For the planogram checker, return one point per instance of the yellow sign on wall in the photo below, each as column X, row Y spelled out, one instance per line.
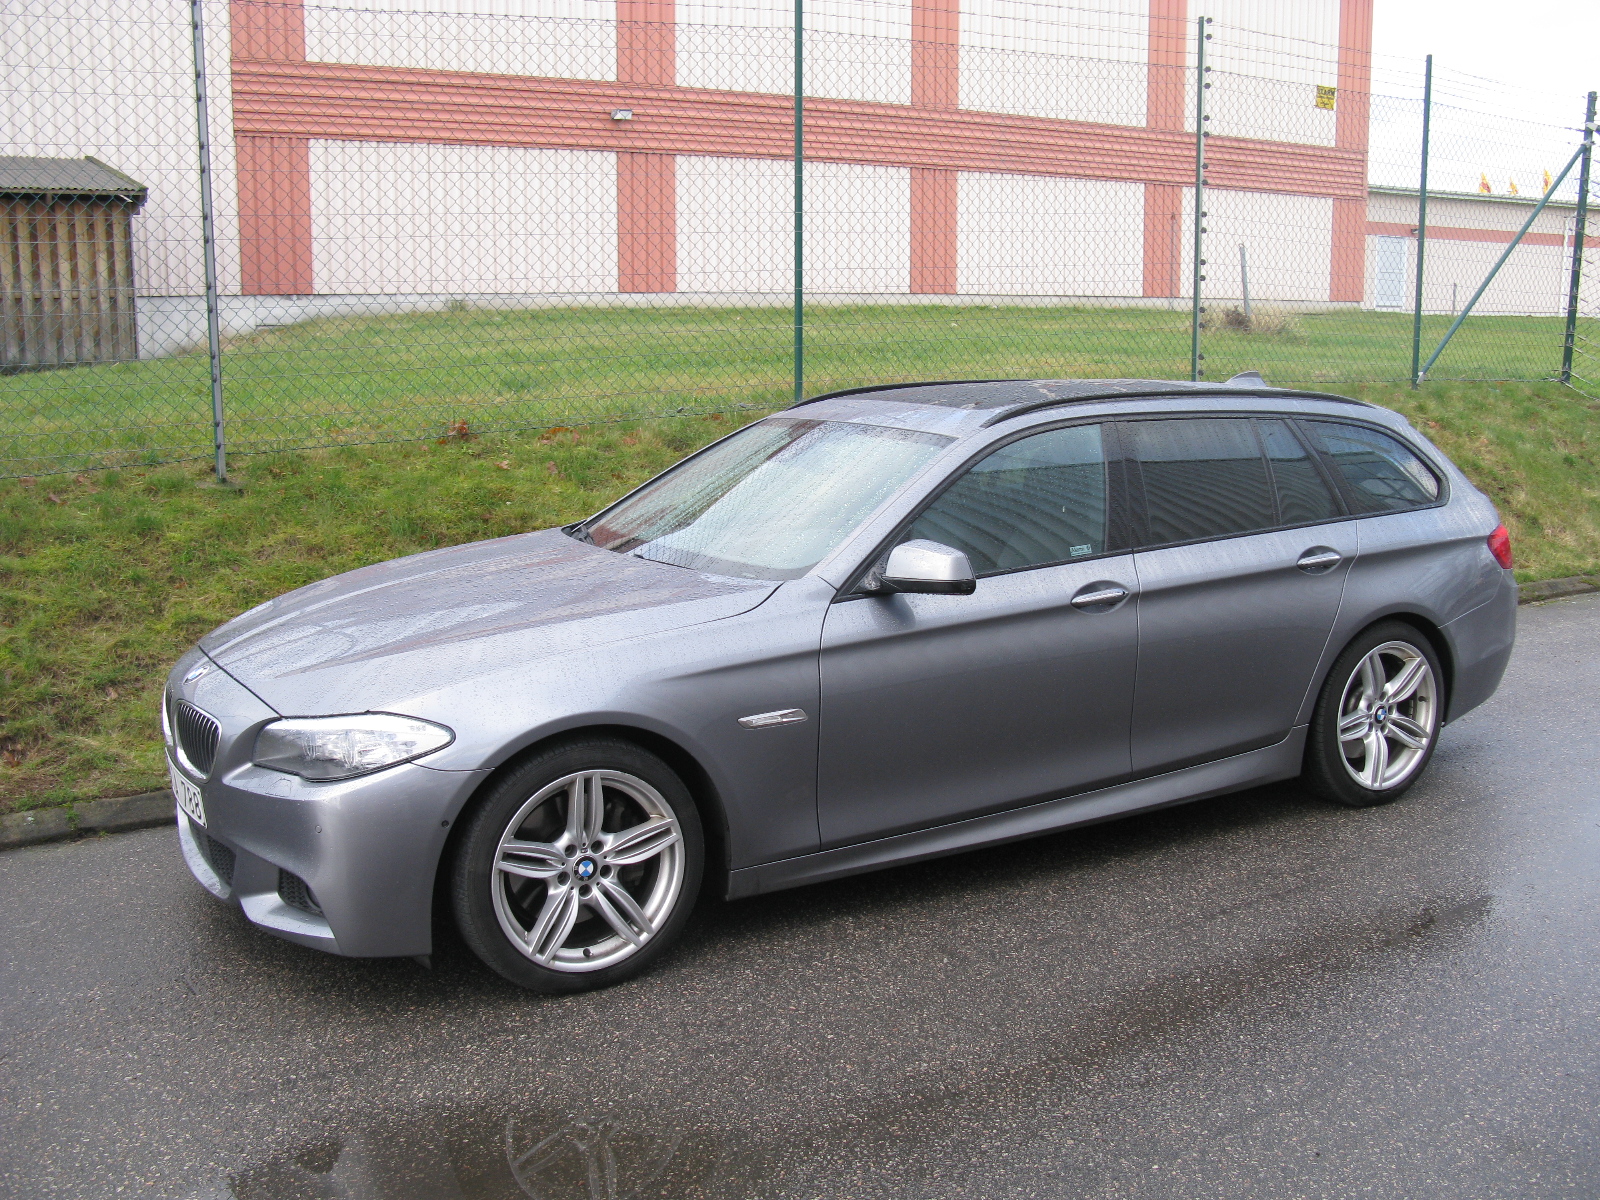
column 1325, row 96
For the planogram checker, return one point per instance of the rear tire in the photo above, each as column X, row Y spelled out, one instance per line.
column 578, row 868
column 1377, row 720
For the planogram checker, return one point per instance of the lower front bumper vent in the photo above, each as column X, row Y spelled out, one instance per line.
column 221, row 859
column 296, row 893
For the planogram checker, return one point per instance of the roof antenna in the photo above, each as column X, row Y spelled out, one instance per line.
column 1249, row 379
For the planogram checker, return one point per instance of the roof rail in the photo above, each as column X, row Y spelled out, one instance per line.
column 897, row 387
column 1171, row 393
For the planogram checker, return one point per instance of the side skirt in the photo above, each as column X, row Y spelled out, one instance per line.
column 1251, row 769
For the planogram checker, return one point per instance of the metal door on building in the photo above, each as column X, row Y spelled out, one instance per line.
column 1390, row 271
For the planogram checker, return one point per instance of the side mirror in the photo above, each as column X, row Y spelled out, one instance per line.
column 930, row 568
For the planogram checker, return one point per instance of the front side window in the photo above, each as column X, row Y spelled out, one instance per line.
column 1202, row 478
column 770, row 502
column 1034, row 502
column 1383, row 476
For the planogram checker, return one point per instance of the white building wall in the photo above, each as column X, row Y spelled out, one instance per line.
column 1288, row 244
column 117, row 84
column 398, row 218
column 1267, row 59
column 1534, row 280
column 736, row 227
column 569, row 39
column 1056, row 60
column 1031, row 236
column 1532, row 283
column 855, row 49
column 735, row 230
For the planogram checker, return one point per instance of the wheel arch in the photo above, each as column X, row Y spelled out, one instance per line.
column 1429, row 629
column 1441, row 647
column 702, row 789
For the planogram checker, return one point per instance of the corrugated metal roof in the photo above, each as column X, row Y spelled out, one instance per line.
column 21, row 176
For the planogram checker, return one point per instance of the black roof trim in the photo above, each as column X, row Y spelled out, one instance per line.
column 1005, row 406
column 1170, row 393
column 898, row 387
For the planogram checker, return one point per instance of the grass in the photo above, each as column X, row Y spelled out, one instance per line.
column 409, row 375
column 105, row 578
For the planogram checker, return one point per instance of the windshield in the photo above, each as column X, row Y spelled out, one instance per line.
column 770, row 502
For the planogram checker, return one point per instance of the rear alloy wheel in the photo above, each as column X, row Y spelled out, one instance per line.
column 579, row 868
column 1377, row 720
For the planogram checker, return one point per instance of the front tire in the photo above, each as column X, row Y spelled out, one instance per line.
column 1377, row 720
column 579, row 868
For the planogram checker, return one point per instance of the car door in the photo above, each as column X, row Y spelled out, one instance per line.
column 1244, row 552
column 937, row 707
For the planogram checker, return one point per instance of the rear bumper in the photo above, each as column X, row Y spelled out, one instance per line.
column 1481, row 641
column 367, row 850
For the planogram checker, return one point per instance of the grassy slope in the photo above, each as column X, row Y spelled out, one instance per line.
column 106, row 579
column 408, row 375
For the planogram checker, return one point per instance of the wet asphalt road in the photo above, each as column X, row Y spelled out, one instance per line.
column 1255, row 996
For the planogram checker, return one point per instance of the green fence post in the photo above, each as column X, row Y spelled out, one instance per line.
column 1580, row 220
column 1200, row 119
column 208, row 234
column 1422, row 228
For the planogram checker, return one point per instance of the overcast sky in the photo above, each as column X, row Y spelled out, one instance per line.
column 1509, row 82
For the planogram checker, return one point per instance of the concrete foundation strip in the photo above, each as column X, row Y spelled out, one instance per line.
column 127, row 813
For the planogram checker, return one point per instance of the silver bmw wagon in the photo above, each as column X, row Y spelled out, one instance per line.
column 881, row 626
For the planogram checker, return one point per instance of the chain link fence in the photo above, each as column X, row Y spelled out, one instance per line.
column 437, row 216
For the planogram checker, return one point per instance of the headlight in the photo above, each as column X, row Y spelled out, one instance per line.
column 343, row 747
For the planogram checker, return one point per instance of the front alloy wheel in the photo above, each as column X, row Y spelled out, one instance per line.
column 1378, row 717
column 587, row 870
column 579, row 867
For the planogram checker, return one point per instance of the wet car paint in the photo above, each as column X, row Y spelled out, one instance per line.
column 518, row 640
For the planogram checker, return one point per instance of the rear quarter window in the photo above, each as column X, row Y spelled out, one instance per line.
column 1379, row 472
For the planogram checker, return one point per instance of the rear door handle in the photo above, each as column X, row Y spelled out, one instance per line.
column 1319, row 559
column 1103, row 596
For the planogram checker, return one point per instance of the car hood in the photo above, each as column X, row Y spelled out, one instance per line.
column 370, row 638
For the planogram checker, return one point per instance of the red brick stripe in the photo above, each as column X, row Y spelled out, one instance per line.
column 647, row 184
column 1169, row 33
column 936, row 86
column 1348, row 265
column 362, row 103
column 647, row 222
column 275, row 216
column 1458, row 233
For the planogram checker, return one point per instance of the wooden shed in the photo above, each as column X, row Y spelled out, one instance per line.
column 66, row 262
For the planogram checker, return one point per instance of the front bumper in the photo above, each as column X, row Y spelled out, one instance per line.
column 364, row 851
column 367, row 850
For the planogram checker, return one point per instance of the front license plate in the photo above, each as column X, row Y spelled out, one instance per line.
column 188, row 796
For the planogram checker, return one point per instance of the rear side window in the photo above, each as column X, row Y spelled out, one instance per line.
column 1303, row 494
column 1201, row 478
column 1037, row 501
column 1380, row 473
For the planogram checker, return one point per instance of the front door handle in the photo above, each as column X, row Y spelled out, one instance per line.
column 1318, row 560
column 1102, row 597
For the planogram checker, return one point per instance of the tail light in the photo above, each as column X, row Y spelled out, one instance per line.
column 1500, row 546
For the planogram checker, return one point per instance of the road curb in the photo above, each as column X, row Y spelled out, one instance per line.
column 118, row 815
column 41, row 825
column 1555, row 589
